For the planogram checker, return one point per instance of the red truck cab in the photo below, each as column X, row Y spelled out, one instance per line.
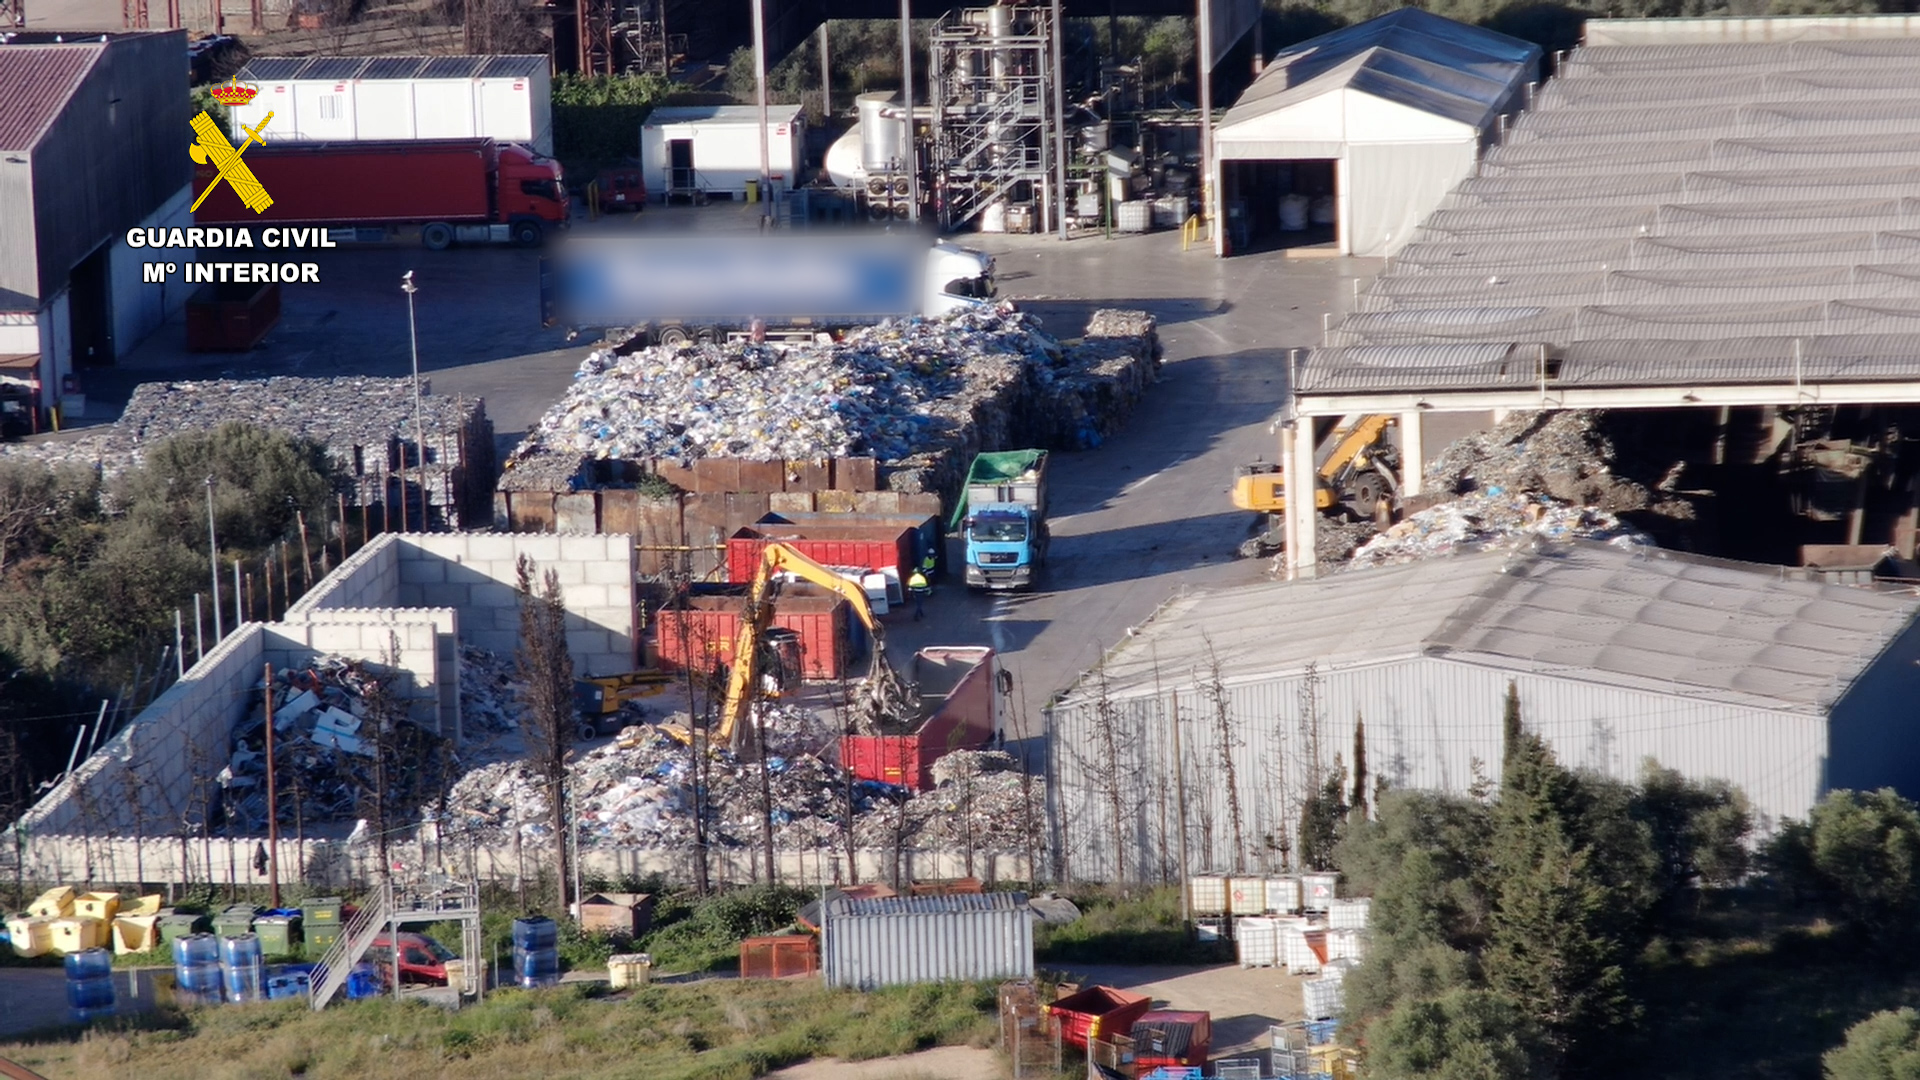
column 530, row 186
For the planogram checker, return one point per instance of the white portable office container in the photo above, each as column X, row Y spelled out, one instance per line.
column 359, row 98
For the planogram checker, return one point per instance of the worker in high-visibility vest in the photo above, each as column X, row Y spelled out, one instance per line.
column 919, row 588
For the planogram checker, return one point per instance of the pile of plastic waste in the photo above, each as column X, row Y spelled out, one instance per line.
column 1492, row 518
column 1087, row 393
column 884, row 391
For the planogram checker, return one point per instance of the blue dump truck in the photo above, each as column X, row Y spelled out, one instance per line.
column 1003, row 517
column 693, row 287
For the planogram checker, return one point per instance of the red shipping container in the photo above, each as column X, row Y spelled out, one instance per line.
column 884, row 549
column 958, row 699
column 701, row 634
column 1169, row 1037
column 1098, row 1012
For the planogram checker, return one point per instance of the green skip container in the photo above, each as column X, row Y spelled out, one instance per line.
column 179, row 926
column 235, row 921
column 279, row 934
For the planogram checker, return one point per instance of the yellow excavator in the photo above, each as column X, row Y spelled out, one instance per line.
column 1358, row 473
column 881, row 693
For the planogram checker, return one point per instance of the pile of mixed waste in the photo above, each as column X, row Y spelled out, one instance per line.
column 639, row 791
column 490, row 692
column 1563, row 455
column 980, row 802
column 330, row 721
column 883, row 391
column 1533, row 475
column 1494, row 517
column 921, row 396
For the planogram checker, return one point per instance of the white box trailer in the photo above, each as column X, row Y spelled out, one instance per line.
column 711, row 148
column 352, row 98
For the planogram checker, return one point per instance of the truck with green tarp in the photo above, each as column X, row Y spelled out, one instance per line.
column 1002, row 514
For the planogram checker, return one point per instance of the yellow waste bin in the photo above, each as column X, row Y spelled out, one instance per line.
column 753, row 191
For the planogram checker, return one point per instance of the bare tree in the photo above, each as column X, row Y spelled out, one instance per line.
column 546, row 675
column 1106, row 778
column 694, row 649
column 381, row 801
column 1227, row 740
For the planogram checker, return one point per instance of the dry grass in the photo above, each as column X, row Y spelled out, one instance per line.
column 715, row 1030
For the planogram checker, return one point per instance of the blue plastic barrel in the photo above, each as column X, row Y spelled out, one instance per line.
column 535, row 933
column 241, row 951
column 196, row 949
column 245, row 984
column 536, row 963
column 93, row 994
column 199, row 979
column 89, row 964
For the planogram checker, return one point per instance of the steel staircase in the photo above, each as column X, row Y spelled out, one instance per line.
column 330, row 974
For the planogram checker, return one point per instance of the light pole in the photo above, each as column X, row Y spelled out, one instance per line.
column 906, row 96
column 419, row 425
column 760, row 102
column 213, row 564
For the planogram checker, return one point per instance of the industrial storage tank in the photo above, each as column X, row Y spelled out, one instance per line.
column 883, row 132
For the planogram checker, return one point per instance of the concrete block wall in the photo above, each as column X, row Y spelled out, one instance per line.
column 154, row 773
column 476, row 573
column 159, row 770
column 423, row 643
column 332, row 865
column 370, row 578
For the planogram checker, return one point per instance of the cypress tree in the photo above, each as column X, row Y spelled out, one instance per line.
column 1552, row 945
column 1510, row 729
column 1357, row 802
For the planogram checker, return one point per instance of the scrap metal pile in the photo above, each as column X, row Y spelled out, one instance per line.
column 640, row 790
column 366, row 425
column 329, row 721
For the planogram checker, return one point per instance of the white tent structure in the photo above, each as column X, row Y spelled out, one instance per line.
column 1383, row 118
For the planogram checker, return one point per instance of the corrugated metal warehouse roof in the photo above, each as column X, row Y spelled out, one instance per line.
column 1639, row 617
column 1785, row 688
column 1781, row 204
column 39, row 79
